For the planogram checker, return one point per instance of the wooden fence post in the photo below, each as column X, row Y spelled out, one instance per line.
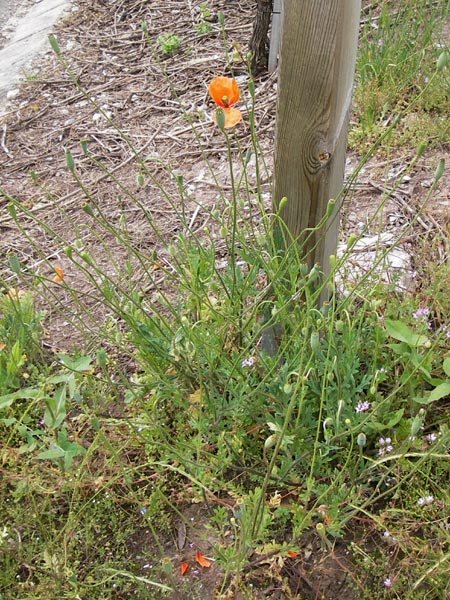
column 315, row 81
column 275, row 34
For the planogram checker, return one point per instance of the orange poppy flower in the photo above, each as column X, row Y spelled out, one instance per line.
column 224, row 91
column 2, row 346
column 59, row 275
column 202, row 561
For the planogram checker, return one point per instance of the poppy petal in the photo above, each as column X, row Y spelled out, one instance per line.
column 232, row 117
column 224, row 91
column 59, row 275
column 202, row 561
column 183, row 568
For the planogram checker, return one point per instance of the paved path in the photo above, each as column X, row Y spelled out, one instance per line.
column 33, row 23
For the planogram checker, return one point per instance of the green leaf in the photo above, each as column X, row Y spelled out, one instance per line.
column 441, row 391
column 401, row 332
column 446, row 366
column 55, row 412
column 80, row 365
column 395, row 418
column 23, row 394
column 14, row 263
column 51, row 454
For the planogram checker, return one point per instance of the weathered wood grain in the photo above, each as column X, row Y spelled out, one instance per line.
column 317, row 61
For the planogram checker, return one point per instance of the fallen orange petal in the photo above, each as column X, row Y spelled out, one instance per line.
column 224, row 91
column 183, row 568
column 232, row 117
column 292, row 554
column 202, row 561
column 59, row 275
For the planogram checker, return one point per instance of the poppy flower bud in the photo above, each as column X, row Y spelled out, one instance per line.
column 439, row 170
column 442, row 60
column 54, row 44
column 69, row 161
column 220, row 118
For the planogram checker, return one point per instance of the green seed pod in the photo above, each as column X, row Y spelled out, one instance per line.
column 361, row 440
column 69, row 161
column 68, row 251
column 140, row 179
column 54, row 44
column 439, row 170
column 330, row 207
column 442, row 60
column 238, row 509
column 282, row 203
column 144, row 27
column 351, row 241
column 332, row 260
column 83, row 144
column 87, row 208
column 270, row 441
column 421, row 149
column 287, row 388
column 12, row 210
column 418, row 421
column 314, row 341
column 220, row 18
column 85, row 256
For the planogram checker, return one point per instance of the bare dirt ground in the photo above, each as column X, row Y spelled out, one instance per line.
column 163, row 110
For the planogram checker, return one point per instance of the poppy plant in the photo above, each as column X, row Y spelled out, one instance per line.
column 225, row 92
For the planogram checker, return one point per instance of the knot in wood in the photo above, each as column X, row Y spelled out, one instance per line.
column 323, row 158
